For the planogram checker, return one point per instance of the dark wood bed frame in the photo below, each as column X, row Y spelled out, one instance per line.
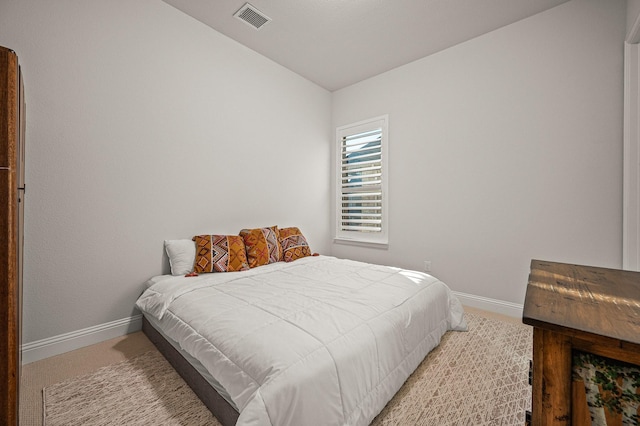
column 221, row 409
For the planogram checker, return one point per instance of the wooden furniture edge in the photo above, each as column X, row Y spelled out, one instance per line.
column 9, row 286
column 553, row 309
column 608, row 347
column 584, row 287
column 219, row 407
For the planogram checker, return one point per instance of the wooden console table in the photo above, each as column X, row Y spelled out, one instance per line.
column 571, row 307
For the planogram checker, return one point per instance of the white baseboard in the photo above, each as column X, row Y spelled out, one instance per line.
column 56, row 345
column 491, row 305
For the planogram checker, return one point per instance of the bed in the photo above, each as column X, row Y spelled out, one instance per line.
column 319, row 340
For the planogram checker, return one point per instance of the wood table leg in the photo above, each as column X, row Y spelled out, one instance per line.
column 551, row 404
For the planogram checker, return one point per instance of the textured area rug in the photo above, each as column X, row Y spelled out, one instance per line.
column 479, row 377
column 144, row 390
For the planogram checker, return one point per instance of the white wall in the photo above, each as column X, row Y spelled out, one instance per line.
column 143, row 125
column 504, row 148
column 633, row 10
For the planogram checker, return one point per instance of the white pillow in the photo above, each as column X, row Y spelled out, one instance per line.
column 182, row 255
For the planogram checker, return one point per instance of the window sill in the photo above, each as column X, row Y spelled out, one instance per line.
column 359, row 243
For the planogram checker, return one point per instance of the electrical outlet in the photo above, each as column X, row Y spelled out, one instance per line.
column 427, row 266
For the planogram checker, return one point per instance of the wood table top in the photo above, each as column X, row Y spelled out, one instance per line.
column 600, row 301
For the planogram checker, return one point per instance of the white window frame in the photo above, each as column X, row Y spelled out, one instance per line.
column 378, row 238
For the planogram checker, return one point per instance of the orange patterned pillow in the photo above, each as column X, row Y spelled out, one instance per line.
column 294, row 244
column 263, row 245
column 220, row 253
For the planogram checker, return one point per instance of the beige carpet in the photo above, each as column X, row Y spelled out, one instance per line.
column 473, row 378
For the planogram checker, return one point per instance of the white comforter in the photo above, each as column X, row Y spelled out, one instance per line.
column 319, row 341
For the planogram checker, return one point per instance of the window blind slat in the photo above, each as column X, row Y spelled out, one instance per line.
column 369, row 209
column 346, row 202
column 351, row 167
column 360, row 176
column 355, row 159
column 362, row 183
column 362, row 228
column 362, row 165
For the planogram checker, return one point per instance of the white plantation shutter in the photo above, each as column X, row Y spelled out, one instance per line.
column 361, row 183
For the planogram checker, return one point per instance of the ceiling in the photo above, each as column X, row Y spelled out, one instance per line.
column 335, row 43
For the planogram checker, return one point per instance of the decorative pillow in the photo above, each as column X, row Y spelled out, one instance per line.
column 220, row 253
column 294, row 244
column 182, row 255
column 263, row 245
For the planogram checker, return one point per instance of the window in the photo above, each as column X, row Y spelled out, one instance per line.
column 361, row 184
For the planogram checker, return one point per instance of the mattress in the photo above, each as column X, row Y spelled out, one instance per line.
column 194, row 363
column 320, row 340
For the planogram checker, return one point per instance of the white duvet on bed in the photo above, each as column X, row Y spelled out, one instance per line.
column 319, row 341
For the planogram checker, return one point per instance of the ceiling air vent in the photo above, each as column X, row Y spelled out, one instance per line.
column 252, row 16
